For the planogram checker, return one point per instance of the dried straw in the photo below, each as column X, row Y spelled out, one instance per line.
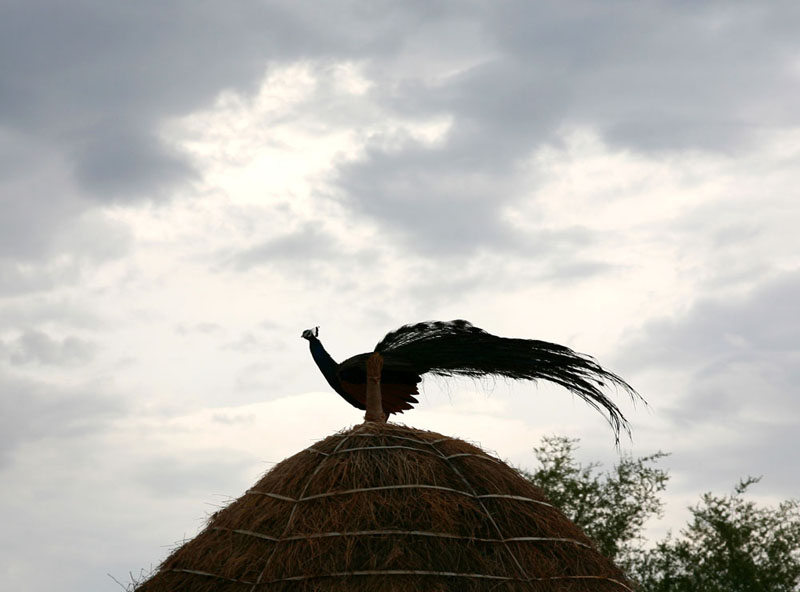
column 383, row 507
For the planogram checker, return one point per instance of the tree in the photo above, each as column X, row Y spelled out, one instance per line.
column 611, row 508
column 730, row 545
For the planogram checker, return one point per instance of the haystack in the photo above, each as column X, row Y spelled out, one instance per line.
column 383, row 507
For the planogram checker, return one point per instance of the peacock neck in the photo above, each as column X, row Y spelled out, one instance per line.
column 325, row 362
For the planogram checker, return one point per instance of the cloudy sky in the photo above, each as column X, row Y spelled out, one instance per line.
column 185, row 187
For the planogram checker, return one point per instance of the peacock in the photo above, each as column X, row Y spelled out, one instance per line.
column 458, row 348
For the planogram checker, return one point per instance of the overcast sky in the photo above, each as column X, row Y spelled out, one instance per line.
column 185, row 187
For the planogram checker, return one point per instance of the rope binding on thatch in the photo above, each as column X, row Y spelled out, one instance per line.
column 406, row 572
column 390, row 487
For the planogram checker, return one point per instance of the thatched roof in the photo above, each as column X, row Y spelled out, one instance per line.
column 383, row 507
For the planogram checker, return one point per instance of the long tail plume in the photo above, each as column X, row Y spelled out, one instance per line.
column 459, row 348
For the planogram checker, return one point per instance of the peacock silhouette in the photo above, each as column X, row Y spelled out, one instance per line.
column 458, row 348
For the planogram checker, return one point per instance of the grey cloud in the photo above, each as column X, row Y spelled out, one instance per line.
column 124, row 164
column 16, row 279
column 763, row 322
column 86, row 88
column 269, row 325
column 90, row 84
column 34, row 196
column 664, row 78
column 166, row 476
column 204, row 328
column 737, row 358
column 307, row 244
column 740, row 356
column 433, row 201
column 437, row 204
column 767, row 452
column 62, row 313
column 98, row 79
column 758, row 450
column 577, row 269
column 667, row 76
column 434, row 286
column 34, row 346
column 48, row 234
column 240, row 419
column 33, row 410
column 58, row 252
column 247, row 342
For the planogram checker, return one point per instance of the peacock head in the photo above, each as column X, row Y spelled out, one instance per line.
column 310, row 333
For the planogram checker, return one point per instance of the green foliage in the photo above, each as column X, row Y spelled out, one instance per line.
column 611, row 508
column 730, row 545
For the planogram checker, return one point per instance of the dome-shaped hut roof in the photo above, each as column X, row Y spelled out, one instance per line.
column 385, row 507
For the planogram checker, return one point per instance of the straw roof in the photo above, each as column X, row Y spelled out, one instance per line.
column 383, row 507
